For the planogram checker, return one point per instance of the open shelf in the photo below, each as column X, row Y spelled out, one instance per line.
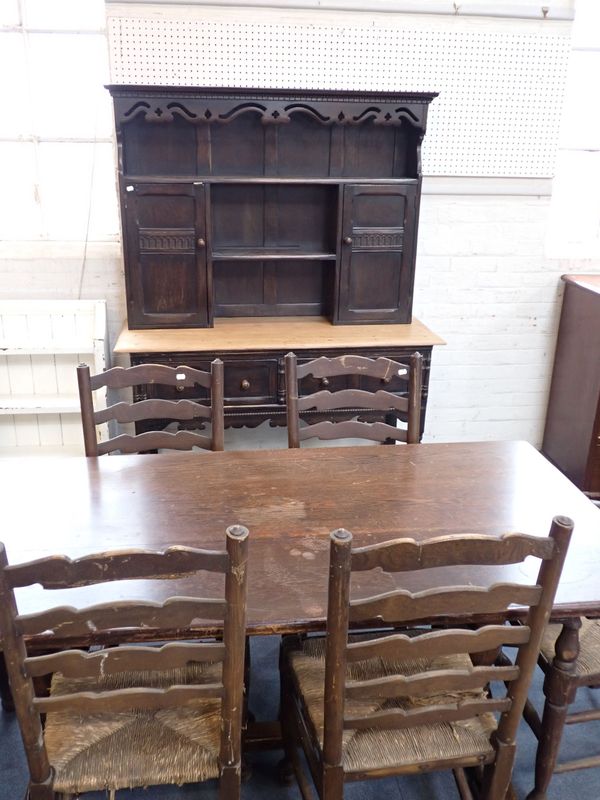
column 269, row 254
column 39, row 404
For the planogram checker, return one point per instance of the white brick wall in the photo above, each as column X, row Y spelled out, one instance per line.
column 484, row 284
column 484, row 281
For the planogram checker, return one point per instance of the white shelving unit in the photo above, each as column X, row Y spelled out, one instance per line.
column 41, row 344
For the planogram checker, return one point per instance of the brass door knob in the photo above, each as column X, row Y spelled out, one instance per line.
column 201, row 242
column 324, row 381
column 245, row 385
column 348, row 239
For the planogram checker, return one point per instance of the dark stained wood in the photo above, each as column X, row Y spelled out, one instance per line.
column 60, row 572
column 441, row 685
column 572, row 432
column 293, row 499
column 221, row 180
column 408, row 554
column 400, row 605
column 79, row 664
column 428, row 684
column 428, row 645
column 253, row 350
column 131, row 615
column 160, row 411
column 125, row 699
column 352, row 401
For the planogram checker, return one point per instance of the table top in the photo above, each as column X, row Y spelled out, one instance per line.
column 273, row 333
column 290, row 500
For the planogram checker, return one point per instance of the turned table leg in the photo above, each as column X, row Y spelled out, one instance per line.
column 559, row 690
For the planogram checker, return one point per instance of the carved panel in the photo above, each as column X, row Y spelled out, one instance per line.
column 377, row 239
column 167, row 239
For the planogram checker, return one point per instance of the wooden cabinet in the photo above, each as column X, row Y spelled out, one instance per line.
column 263, row 203
column 572, row 433
column 253, row 351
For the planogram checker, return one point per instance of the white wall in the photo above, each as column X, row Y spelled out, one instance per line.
column 487, row 272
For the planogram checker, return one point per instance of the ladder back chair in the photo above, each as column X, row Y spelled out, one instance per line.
column 128, row 716
column 570, row 659
column 390, row 703
column 354, row 400
column 181, row 377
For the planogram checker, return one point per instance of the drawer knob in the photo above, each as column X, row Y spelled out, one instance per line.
column 201, row 242
column 347, row 239
column 386, row 380
column 324, row 381
column 245, row 385
column 179, row 388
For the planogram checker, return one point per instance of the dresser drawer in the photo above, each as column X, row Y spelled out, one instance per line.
column 247, row 381
column 251, row 381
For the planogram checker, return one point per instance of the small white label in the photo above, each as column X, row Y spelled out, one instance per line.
column 180, row 376
column 402, row 372
column 129, row 188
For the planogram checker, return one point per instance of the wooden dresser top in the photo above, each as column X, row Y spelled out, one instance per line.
column 274, row 333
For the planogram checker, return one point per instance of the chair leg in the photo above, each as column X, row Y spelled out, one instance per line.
column 230, row 782
column 559, row 689
column 333, row 783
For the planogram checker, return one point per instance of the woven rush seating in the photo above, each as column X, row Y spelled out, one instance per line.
column 373, row 748
column 126, row 749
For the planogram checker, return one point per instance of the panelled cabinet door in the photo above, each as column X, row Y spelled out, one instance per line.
column 377, row 253
column 165, row 240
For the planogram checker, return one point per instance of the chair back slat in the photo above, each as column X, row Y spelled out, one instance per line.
column 128, row 699
column 123, row 377
column 351, row 429
column 79, row 664
column 407, row 554
column 352, row 398
column 401, row 606
column 437, row 643
column 61, row 572
column 152, row 409
column 383, row 368
column 154, row 440
column 434, row 682
column 398, row 718
column 158, row 411
column 352, row 401
column 173, row 613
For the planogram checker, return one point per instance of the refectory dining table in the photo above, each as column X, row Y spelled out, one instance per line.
column 290, row 500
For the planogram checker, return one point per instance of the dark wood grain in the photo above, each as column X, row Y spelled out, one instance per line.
column 293, row 499
column 79, row 664
column 221, row 180
column 429, row 645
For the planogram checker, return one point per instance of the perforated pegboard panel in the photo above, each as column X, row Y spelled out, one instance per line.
column 501, row 91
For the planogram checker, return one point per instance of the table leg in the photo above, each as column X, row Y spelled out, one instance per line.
column 5, row 693
column 559, row 690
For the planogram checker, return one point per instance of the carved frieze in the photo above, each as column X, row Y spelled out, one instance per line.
column 274, row 107
column 377, row 239
column 155, row 240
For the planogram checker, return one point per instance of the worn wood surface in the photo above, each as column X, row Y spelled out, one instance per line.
column 291, row 500
column 274, row 333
